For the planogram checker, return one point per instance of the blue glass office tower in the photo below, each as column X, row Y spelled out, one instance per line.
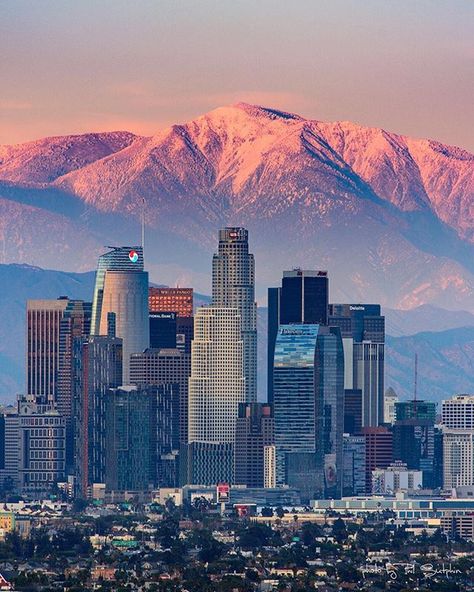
column 308, row 400
column 117, row 259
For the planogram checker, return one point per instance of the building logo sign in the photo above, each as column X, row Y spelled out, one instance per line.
column 133, row 256
column 351, row 307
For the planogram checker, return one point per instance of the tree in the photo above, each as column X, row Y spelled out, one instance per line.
column 339, row 531
column 280, row 512
column 267, row 512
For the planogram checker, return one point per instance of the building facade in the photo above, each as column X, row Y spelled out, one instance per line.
column 117, row 259
column 378, row 451
column 354, row 465
column 302, row 299
column 97, row 367
column 125, row 294
column 308, row 391
column 217, row 381
column 178, row 300
column 233, row 286
column 253, row 434
column 165, row 366
column 363, row 332
column 43, row 324
column 457, row 420
column 130, row 428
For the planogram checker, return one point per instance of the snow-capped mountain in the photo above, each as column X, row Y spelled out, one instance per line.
column 390, row 217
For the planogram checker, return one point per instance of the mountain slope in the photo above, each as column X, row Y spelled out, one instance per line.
column 445, row 363
column 390, row 217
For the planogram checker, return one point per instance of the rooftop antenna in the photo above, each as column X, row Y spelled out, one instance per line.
column 415, row 388
column 143, row 223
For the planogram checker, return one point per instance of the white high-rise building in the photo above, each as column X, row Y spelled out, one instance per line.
column 457, row 416
column 125, row 294
column 217, row 381
column 233, row 286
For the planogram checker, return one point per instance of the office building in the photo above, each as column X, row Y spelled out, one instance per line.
column 184, row 333
column 130, row 431
column 308, row 405
column 97, row 367
column 353, row 453
column 162, row 330
column 216, row 384
column 74, row 324
column 125, row 293
column 165, row 366
column 415, row 409
column 167, row 435
column 178, row 300
column 207, row 463
column 233, row 286
column 253, row 435
column 458, row 412
column 41, row 448
column 390, row 400
column 396, row 477
column 438, row 458
column 352, row 411
column 363, row 333
column 457, row 419
column 117, row 259
column 378, row 451
column 413, row 437
column 269, row 467
column 10, row 449
column 42, row 347
column 302, row 299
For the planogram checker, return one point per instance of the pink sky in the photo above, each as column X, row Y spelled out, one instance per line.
column 72, row 67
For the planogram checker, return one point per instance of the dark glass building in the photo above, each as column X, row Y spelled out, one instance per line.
column 308, row 377
column 97, row 367
column 130, row 431
column 253, row 432
column 352, row 411
column 162, row 330
column 165, row 366
column 302, row 298
column 413, row 437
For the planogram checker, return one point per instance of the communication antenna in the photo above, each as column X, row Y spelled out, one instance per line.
column 415, row 389
column 143, row 223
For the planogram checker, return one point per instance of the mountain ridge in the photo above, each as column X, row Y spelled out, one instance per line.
column 309, row 191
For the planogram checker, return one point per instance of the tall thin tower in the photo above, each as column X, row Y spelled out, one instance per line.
column 233, row 286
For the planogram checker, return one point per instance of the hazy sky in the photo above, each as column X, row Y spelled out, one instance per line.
column 68, row 66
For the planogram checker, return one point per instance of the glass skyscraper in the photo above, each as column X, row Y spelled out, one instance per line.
column 117, row 259
column 308, row 401
column 302, row 298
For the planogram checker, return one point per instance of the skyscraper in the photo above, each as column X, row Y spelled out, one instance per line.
column 42, row 347
column 117, row 259
column 308, row 406
column 216, row 386
column 97, row 367
column 130, row 428
column 363, row 333
column 178, row 300
column 253, row 434
column 378, row 451
column 165, row 366
column 74, row 324
column 125, row 293
column 302, row 299
column 233, row 286
column 457, row 417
